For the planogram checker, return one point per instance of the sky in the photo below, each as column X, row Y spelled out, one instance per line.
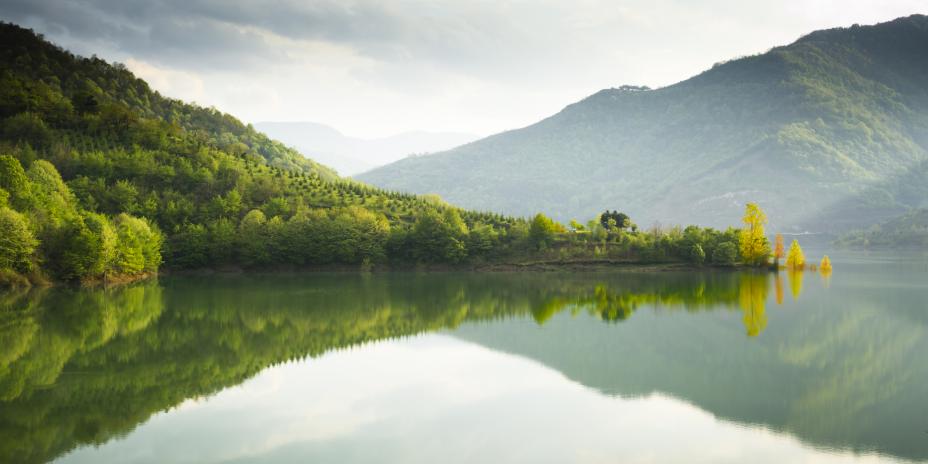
column 375, row 68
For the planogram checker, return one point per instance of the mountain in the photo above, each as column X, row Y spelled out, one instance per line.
column 98, row 171
column 352, row 155
column 907, row 231
column 828, row 132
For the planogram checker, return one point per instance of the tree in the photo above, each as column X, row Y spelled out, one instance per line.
column 825, row 265
column 439, row 238
column 542, row 230
column 753, row 243
column 72, row 250
column 726, row 253
column 481, row 240
column 13, row 179
column 16, row 241
column 104, row 252
column 779, row 251
column 253, row 238
column 621, row 220
column 795, row 259
column 697, row 254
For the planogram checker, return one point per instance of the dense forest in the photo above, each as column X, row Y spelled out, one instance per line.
column 105, row 179
column 829, row 133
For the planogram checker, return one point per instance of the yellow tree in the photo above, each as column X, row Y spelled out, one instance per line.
column 753, row 243
column 779, row 251
column 795, row 259
column 825, row 265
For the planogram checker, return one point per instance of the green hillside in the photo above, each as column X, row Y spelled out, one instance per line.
column 907, row 231
column 101, row 177
column 827, row 132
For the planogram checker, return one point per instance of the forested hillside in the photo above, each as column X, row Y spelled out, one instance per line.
column 828, row 132
column 101, row 177
column 907, row 231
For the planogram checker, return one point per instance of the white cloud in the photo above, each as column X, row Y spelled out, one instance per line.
column 372, row 68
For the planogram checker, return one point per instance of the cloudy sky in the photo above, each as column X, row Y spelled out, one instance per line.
column 373, row 68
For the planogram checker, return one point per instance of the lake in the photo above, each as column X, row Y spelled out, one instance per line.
column 467, row 367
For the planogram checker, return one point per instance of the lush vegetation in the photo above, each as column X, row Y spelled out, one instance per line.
column 829, row 133
column 42, row 222
column 907, row 231
column 91, row 156
column 103, row 178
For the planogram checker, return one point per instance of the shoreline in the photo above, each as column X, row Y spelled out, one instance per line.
column 503, row 267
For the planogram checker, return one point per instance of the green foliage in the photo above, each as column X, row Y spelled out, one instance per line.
column 14, row 182
column 614, row 219
column 542, row 230
column 725, row 254
column 697, row 254
column 16, row 241
column 122, row 149
column 437, row 237
column 119, row 178
column 139, row 245
column 70, row 242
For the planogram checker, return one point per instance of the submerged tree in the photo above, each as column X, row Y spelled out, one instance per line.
column 753, row 243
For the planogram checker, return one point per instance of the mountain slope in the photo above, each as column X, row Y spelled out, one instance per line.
column 907, row 231
column 800, row 128
column 43, row 79
column 95, row 168
column 352, row 155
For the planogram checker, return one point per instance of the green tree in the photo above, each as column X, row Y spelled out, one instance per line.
column 543, row 230
column 13, row 179
column 439, row 237
column 17, row 244
column 725, row 254
column 253, row 238
column 697, row 254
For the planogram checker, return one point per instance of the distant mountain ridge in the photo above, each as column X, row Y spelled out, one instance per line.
column 353, row 155
column 828, row 132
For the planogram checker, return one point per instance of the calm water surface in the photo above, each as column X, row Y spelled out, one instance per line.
column 423, row 368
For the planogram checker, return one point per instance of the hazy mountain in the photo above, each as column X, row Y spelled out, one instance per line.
column 829, row 131
column 352, row 155
column 907, row 231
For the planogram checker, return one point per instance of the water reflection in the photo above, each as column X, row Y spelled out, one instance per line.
column 82, row 367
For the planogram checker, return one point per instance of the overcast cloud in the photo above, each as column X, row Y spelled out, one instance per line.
column 372, row 68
